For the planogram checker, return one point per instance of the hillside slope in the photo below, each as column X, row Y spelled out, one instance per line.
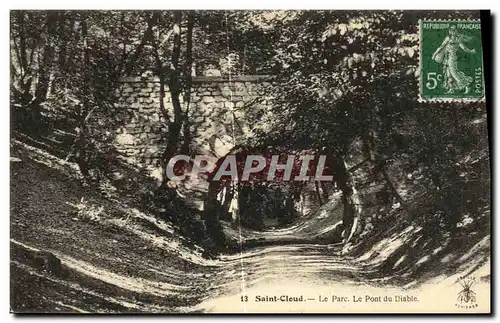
column 73, row 250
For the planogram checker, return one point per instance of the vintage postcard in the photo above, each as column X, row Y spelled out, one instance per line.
column 265, row 161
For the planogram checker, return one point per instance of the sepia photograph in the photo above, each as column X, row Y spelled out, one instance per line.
column 250, row 161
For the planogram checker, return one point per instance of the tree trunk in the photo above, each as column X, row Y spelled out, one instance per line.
column 211, row 216
column 62, row 44
column 22, row 43
column 189, row 81
column 350, row 196
column 325, row 190
column 318, row 193
column 372, row 154
column 174, row 126
column 129, row 67
column 391, row 186
column 82, row 153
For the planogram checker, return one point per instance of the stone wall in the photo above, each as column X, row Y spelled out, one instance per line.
column 142, row 136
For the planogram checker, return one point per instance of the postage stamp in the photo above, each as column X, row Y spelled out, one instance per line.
column 451, row 60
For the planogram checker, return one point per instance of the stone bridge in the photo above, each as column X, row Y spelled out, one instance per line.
column 141, row 137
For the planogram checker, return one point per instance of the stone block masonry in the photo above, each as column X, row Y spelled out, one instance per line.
column 141, row 140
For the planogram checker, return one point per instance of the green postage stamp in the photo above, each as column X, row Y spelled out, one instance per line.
column 451, row 60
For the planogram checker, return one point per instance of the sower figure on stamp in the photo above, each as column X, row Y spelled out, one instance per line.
column 446, row 54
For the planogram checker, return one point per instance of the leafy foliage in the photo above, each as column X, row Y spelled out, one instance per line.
column 345, row 84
